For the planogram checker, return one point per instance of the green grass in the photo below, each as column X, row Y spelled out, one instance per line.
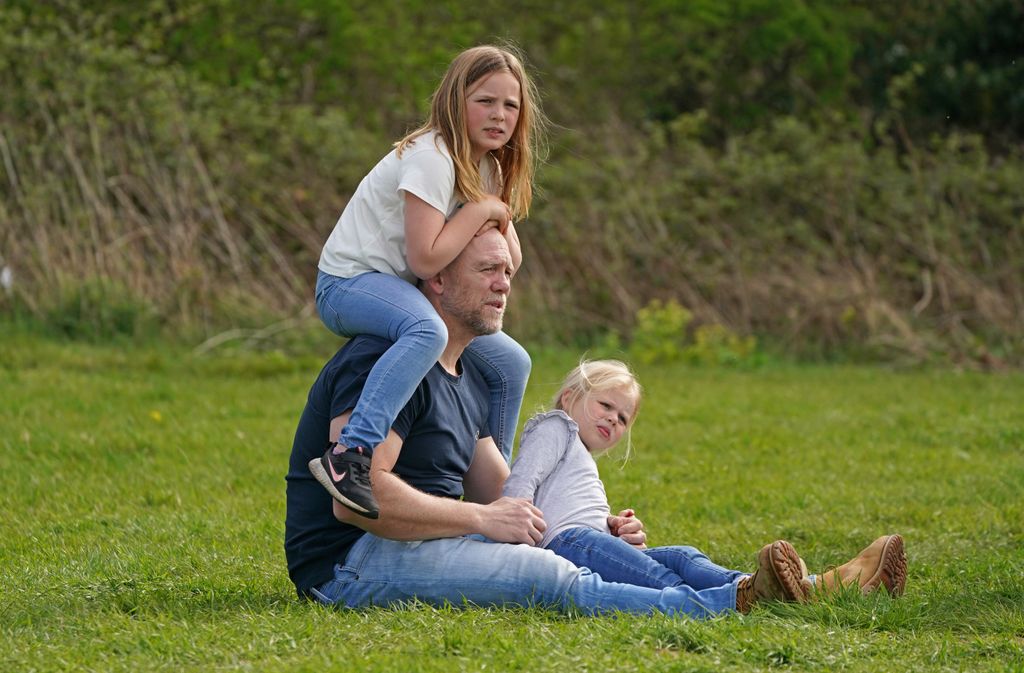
column 143, row 493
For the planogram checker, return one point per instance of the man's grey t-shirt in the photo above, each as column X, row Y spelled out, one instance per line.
column 555, row 471
column 439, row 428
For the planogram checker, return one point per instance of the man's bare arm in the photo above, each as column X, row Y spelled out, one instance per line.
column 407, row 513
column 484, row 481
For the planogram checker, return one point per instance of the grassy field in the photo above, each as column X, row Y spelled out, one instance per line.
column 143, row 493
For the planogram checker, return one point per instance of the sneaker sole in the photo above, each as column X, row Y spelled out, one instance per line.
column 318, row 471
column 892, row 569
column 782, row 558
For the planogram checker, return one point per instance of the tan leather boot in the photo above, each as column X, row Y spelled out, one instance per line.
column 777, row 577
column 882, row 562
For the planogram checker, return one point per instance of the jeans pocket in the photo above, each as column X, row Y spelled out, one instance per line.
column 573, row 535
column 330, row 592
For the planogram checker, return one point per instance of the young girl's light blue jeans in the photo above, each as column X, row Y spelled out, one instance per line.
column 389, row 307
column 658, row 568
column 471, row 571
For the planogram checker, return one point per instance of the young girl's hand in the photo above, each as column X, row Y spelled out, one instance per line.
column 629, row 528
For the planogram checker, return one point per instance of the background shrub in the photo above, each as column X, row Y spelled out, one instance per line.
column 833, row 178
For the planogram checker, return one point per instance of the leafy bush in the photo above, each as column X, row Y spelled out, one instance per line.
column 716, row 345
column 804, row 235
column 661, row 335
column 660, row 332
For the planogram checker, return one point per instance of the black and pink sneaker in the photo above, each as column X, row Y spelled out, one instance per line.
column 346, row 476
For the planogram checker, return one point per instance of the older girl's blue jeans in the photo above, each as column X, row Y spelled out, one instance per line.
column 659, row 567
column 471, row 571
column 389, row 307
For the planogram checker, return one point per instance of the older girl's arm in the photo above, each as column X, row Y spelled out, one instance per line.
column 512, row 238
column 431, row 243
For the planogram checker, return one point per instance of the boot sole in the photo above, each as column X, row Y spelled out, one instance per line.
column 782, row 558
column 892, row 569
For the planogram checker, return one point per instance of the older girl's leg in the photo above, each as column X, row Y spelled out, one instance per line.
column 385, row 306
column 505, row 366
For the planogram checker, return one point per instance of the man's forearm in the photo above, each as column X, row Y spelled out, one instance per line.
column 407, row 513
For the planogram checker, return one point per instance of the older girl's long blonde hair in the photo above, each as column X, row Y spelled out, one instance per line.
column 516, row 160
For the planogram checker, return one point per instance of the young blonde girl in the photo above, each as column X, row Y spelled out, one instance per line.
column 555, row 469
column 469, row 168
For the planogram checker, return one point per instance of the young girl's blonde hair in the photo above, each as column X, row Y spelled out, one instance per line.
column 516, row 160
column 594, row 376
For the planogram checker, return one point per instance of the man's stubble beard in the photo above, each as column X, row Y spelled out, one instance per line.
column 472, row 318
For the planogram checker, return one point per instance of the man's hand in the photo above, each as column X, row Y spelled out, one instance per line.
column 513, row 520
column 629, row 528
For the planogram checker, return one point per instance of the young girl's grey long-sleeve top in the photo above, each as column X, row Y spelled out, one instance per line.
column 555, row 471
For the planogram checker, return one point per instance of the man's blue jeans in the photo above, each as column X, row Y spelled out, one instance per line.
column 389, row 307
column 659, row 567
column 471, row 571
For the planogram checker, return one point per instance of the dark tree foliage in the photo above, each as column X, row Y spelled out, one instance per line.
column 942, row 63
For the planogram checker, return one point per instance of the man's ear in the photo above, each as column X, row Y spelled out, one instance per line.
column 436, row 283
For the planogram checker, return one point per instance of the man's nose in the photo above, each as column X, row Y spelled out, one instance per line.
column 502, row 284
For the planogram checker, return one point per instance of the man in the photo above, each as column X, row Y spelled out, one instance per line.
column 427, row 542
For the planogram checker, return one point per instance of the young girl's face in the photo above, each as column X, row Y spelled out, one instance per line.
column 492, row 111
column 603, row 416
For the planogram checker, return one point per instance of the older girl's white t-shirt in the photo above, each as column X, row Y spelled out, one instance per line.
column 370, row 234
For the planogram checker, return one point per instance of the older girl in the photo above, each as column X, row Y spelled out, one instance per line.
column 469, row 168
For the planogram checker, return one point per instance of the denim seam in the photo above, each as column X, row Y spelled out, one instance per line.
column 357, row 412
column 687, row 562
column 503, row 402
column 608, row 558
column 376, row 297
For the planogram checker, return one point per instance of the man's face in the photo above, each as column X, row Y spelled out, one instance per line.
column 477, row 284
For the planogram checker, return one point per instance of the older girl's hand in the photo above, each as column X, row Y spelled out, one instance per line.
column 499, row 211
column 489, row 224
column 629, row 528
